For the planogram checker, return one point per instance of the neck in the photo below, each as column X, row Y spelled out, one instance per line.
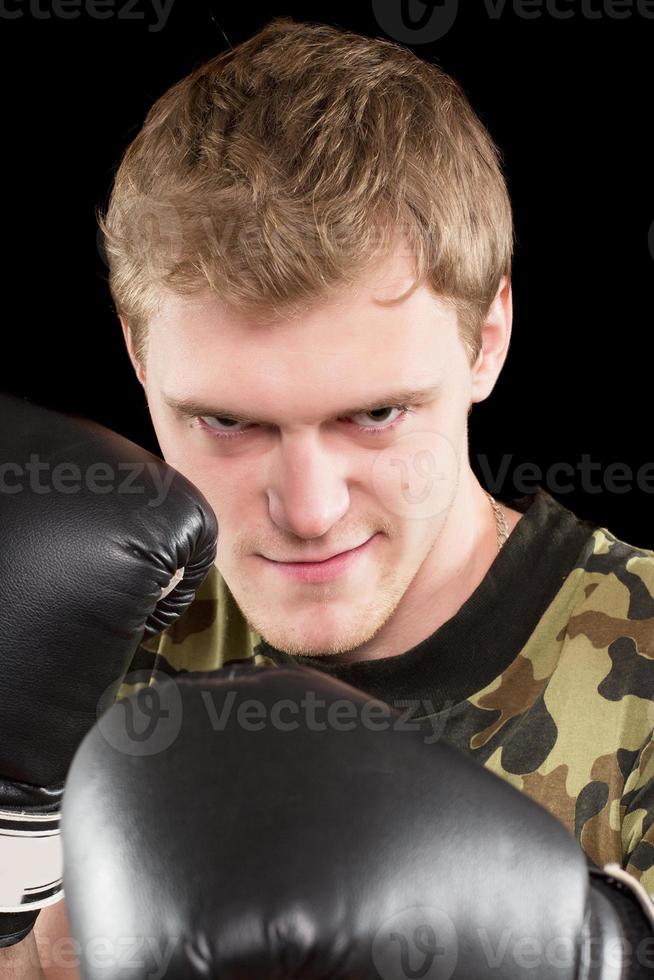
column 463, row 552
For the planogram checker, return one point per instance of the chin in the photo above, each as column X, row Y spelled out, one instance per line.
column 318, row 642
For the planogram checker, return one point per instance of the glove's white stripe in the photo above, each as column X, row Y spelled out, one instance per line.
column 175, row 580
column 645, row 900
column 31, row 861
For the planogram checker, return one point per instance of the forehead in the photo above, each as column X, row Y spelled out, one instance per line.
column 352, row 334
column 298, row 369
column 298, row 373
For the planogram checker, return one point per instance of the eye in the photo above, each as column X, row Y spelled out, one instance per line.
column 209, row 422
column 213, row 424
column 377, row 411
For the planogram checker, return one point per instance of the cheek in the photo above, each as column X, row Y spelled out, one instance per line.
column 179, row 448
column 229, row 490
column 175, row 445
column 415, row 479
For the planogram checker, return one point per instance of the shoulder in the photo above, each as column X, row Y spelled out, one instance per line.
column 616, row 578
column 609, row 633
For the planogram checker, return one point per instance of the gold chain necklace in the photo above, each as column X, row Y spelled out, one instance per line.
column 500, row 521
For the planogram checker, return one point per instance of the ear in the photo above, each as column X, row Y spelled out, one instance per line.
column 131, row 350
column 496, row 335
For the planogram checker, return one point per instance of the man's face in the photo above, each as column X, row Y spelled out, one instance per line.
column 312, row 476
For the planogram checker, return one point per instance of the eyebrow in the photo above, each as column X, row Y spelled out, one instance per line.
column 188, row 407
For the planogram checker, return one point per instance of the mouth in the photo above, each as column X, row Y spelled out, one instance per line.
column 320, row 570
column 315, row 561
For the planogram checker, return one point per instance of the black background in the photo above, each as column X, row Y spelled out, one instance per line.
column 567, row 100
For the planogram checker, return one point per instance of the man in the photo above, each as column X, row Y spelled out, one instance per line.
column 310, row 247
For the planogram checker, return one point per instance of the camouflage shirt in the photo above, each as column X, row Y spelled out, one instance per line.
column 545, row 674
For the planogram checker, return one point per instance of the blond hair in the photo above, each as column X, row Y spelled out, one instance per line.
column 279, row 170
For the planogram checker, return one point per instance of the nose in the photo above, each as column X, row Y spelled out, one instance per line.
column 307, row 490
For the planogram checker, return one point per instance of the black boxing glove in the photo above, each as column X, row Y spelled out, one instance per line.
column 103, row 545
column 287, row 826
